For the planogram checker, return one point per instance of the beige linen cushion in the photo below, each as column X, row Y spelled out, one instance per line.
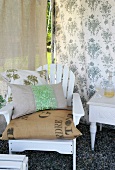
column 50, row 124
column 29, row 99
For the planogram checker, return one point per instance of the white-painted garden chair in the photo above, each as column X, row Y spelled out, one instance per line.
column 57, row 73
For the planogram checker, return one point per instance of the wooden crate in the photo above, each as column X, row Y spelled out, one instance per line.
column 13, row 162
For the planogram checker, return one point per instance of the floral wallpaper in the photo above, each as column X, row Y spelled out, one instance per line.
column 84, row 39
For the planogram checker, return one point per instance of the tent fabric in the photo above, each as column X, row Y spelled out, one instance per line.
column 22, row 35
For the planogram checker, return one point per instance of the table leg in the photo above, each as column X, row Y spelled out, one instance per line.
column 100, row 126
column 93, row 129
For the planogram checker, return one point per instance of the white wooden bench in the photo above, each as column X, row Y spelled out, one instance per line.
column 13, row 162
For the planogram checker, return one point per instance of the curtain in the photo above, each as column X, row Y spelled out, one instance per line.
column 85, row 40
column 22, row 34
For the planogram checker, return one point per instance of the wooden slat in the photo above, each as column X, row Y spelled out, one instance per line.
column 59, row 73
column 65, row 80
column 9, row 157
column 45, row 67
column 11, row 165
column 52, row 73
column 70, row 88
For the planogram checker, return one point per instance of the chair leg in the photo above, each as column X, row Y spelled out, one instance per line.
column 10, row 149
column 74, row 154
column 100, row 126
column 10, row 152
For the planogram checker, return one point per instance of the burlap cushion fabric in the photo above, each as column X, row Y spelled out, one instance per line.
column 29, row 99
column 50, row 124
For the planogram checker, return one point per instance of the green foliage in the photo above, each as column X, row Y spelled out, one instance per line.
column 48, row 33
column 49, row 58
column 48, row 24
column 49, row 38
column 48, row 17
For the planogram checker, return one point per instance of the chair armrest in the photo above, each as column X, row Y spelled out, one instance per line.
column 7, row 112
column 78, row 110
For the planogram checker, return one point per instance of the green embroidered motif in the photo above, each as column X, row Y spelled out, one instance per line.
column 31, row 79
column 11, row 73
column 44, row 97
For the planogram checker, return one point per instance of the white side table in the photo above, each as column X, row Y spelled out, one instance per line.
column 101, row 110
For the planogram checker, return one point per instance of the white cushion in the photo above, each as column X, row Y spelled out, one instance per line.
column 22, row 77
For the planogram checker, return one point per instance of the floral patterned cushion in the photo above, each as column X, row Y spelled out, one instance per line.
column 23, row 77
